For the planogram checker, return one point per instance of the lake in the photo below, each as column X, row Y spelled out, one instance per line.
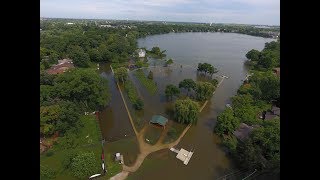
column 226, row 51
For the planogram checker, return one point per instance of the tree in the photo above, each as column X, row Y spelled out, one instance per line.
column 226, row 123
column 150, row 75
column 46, row 79
column 79, row 57
column 171, row 90
column 186, row 111
column 206, row 68
column 49, row 115
column 253, row 55
column 168, row 62
column 83, row 86
column 138, row 105
column 214, row 82
column 204, row 91
column 47, row 173
column 188, row 84
column 121, row 74
column 84, row 165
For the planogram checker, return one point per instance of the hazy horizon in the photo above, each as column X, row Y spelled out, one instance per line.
column 253, row 12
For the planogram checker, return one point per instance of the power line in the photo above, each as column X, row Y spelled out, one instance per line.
column 250, row 174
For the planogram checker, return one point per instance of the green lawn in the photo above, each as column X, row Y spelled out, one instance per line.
column 87, row 140
column 147, row 83
column 152, row 133
column 174, row 132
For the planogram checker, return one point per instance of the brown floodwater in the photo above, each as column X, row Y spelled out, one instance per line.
column 226, row 51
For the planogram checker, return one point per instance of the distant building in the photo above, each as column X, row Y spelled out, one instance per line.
column 62, row 66
column 142, row 53
column 70, row 23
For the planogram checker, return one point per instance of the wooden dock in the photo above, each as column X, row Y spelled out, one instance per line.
column 183, row 155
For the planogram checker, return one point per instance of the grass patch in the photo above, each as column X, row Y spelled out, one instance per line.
column 118, row 65
column 174, row 132
column 127, row 147
column 149, row 84
column 86, row 140
column 133, row 95
column 152, row 134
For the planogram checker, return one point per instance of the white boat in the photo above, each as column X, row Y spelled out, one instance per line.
column 94, row 176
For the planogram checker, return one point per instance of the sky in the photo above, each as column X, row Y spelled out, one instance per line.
column 264, row 12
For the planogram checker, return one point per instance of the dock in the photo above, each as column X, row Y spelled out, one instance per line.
column 182, row 155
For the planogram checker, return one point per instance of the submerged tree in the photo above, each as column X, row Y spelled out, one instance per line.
column 186, row 111
column 204, row 91
column 171, row 90
column 187, row 84
column 121, row 74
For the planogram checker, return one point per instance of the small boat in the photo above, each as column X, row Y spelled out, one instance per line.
column 96, row 175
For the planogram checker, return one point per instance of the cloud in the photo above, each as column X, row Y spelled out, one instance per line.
column 235, row 11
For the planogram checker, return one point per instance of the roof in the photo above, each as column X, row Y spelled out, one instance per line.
column 269, row 116
column 277, row 71
column 275, row 110
column 184, row 155
column 159, row 120
column 243, row 131
column 60, row 68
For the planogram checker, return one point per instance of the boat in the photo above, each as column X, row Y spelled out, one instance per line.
column 95, row 175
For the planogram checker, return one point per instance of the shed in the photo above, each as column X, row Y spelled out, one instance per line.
column 157, row 119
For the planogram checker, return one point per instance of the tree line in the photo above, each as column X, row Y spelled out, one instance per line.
column 261, row 150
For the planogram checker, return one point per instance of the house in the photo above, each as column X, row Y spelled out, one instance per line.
column 243, row 132
column 276, row 71
column 142, row 53
column 272, row 113
column 62, row 66
column 160, row 120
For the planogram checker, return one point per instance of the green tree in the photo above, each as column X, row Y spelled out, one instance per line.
column 121, row 74
column 47, row 173
column 83, row 86
column 253, row 55
column 187, row 84
column 207, row 68
column 138, row 105
column 226, row 123
column 214, row 82
column 171, row 90
column 84, row 165
column 79, row 57
column 186, row 111
column 204, row 91
column 168, row 62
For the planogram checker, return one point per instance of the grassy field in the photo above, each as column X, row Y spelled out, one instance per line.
column 152, row 133
column 147, row 83
column 88, row 140
column 174, row 132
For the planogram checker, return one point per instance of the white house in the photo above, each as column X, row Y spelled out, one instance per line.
column 142, row 53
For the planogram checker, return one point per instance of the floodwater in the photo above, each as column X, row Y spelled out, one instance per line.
column 226, row 51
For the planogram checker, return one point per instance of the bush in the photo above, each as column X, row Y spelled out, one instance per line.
column 231, row 143
column 138, row 105
column 49, row 153
column 47, row 173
